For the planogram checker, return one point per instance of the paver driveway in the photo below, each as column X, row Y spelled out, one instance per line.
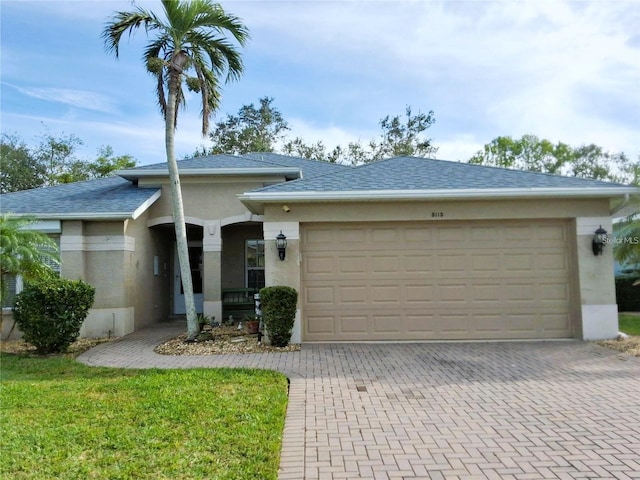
column 523, row 410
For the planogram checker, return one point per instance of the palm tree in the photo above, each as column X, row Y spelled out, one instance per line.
column 190, row 38
column 627, row 240
column 24, row 252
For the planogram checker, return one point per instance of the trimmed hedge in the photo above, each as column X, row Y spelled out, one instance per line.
column 50, row 312
column 278, row 305
column 628, row 295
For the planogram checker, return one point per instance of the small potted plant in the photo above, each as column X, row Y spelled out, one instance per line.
column 252, row 322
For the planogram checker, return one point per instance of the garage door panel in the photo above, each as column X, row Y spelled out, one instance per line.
column 353, row 324
column 452, row 263
column 556, row 293
column 555, row 324
column 321, row 325
column 386, row 295
column 353, row 264
column 354, row 236
column 351, row 294
column 450, row 236
column 553, row 262
column 320, row 295
column 454, row 325
column 487, row 294
column 386, row 264
column 421, row 323
column 319, row 265
column 517, row 263
column 400, row 281
column 419, row 295
column 551, row 232
column 485, row 262
column 386, row 323
column 418, row 263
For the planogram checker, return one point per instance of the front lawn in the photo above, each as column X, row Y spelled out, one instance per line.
column 629, row 323
column 61, row 419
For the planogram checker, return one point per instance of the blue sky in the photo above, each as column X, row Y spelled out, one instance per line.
column 566, row 71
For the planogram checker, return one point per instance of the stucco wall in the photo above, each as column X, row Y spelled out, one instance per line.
column 149, row 274
column 213, row 200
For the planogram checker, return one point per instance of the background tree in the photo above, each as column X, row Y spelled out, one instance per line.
column 315, row 151
column 399, row 137
column 107, row 163
column 264, row 129
column 20, row 170
column 191, row 37
column 251, row 130
column 51, row 162
column 539, row 155
column 57, row 155
column 404, row 137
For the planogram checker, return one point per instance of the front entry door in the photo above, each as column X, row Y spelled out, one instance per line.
column 195, row 260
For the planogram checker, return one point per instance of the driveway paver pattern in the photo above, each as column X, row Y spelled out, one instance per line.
column 512, row 410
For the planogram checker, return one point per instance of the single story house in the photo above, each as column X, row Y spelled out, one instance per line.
column 404, row 249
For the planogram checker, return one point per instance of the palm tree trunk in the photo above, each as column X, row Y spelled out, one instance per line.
column 178, row 210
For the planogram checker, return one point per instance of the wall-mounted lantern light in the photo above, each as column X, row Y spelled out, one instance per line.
column 281, row 245
column 599, row 240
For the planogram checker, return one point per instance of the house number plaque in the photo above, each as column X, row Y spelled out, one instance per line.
column 437, row 214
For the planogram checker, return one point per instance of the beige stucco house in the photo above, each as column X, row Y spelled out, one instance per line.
column 401, row 249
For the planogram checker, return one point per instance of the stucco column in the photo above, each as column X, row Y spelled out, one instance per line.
column 596, row 282
column 284, row 272
column 212, row 269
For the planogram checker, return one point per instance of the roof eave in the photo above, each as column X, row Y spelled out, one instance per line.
column 446, row 194
column 81, row 215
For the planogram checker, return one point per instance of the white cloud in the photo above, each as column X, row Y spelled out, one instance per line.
column 84, row 99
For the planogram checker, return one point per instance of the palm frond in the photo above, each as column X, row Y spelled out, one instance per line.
column 123, row 22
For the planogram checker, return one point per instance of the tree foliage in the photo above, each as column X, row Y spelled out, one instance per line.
column 253, row 129
column 399, row 137
column 20, row 170
column 264, row 129
column 23, row 251
column 52, row 161
column 540, row 155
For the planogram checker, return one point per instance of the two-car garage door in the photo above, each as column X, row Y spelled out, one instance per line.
column 435, row 280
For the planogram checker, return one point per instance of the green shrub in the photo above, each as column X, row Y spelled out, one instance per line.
column 50, row 312
column 628, row 294
column 278, row 306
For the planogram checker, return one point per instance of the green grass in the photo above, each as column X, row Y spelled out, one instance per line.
column 629, row 324
column 64, row 420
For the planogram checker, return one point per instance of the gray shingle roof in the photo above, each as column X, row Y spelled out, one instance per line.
column 250, row 161
column 410, row 173
column 310, row 168
column 210, row 161
column 112, row 197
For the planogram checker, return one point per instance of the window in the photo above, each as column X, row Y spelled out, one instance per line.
column 254, row 260
column 13, row 284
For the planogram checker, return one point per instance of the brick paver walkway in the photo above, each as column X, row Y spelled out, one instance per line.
column 513, row 410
